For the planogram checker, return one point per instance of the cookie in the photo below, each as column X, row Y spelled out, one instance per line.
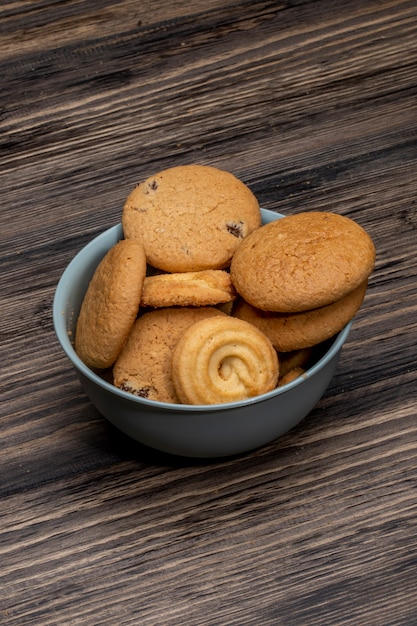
column 302, row 262
column 144, row 365
column 190, row 217
column 204, row 288
column 110, row 305
column 223, row 359
column 293, row 360
column 291, row 375
column 293, row 331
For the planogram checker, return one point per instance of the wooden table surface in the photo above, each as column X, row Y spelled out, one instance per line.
column 313, row 104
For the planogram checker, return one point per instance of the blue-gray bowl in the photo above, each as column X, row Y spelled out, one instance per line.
column 193, row 431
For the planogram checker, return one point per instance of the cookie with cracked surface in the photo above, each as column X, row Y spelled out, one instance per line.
column 302, row 262
column 294, row 331
column 223, row 359
column 144, row 365
column 190, row 217
column 204, row 288
column 110, row 305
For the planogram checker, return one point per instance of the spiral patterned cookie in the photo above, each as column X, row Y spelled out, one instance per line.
column 223, row 359
column 143, row 367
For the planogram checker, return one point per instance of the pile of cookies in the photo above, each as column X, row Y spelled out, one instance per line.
column 202, row 304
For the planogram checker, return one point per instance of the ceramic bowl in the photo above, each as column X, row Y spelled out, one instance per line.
column 192, row 431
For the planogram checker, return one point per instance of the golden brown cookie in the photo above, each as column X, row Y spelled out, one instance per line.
column 302, row 262
column 291, row 375
column 190, row 217
column 293, row 360
column 293, row 331
column 110, row 305
column 204, row 288
column 223, row 359
column 144, row 365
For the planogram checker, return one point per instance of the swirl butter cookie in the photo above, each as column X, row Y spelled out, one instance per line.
column 110, row 305
column 302, row 262
column 144, row 365
column 293, row 331
column 204, row 288
column 190, row 217
column 223, row 359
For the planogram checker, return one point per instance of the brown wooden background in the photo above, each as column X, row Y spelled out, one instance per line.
column 313, row 105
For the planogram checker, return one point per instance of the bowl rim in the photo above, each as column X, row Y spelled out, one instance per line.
column 59, row 314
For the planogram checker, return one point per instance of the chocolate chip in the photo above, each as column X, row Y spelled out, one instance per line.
column 142, row 392
column 235, row 229
column 153, row 185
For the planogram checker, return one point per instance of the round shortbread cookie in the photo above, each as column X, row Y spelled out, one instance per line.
column 293, row 331
column 144, row 365
column 110, row 305
column 302, row 262
column 204, row 288
column 190, row 217
column 223, row 359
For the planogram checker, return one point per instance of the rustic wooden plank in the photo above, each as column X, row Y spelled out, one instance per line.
column 112, row 138
column 24, row 24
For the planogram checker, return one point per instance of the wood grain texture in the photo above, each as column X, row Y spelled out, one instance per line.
column 311, row 103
